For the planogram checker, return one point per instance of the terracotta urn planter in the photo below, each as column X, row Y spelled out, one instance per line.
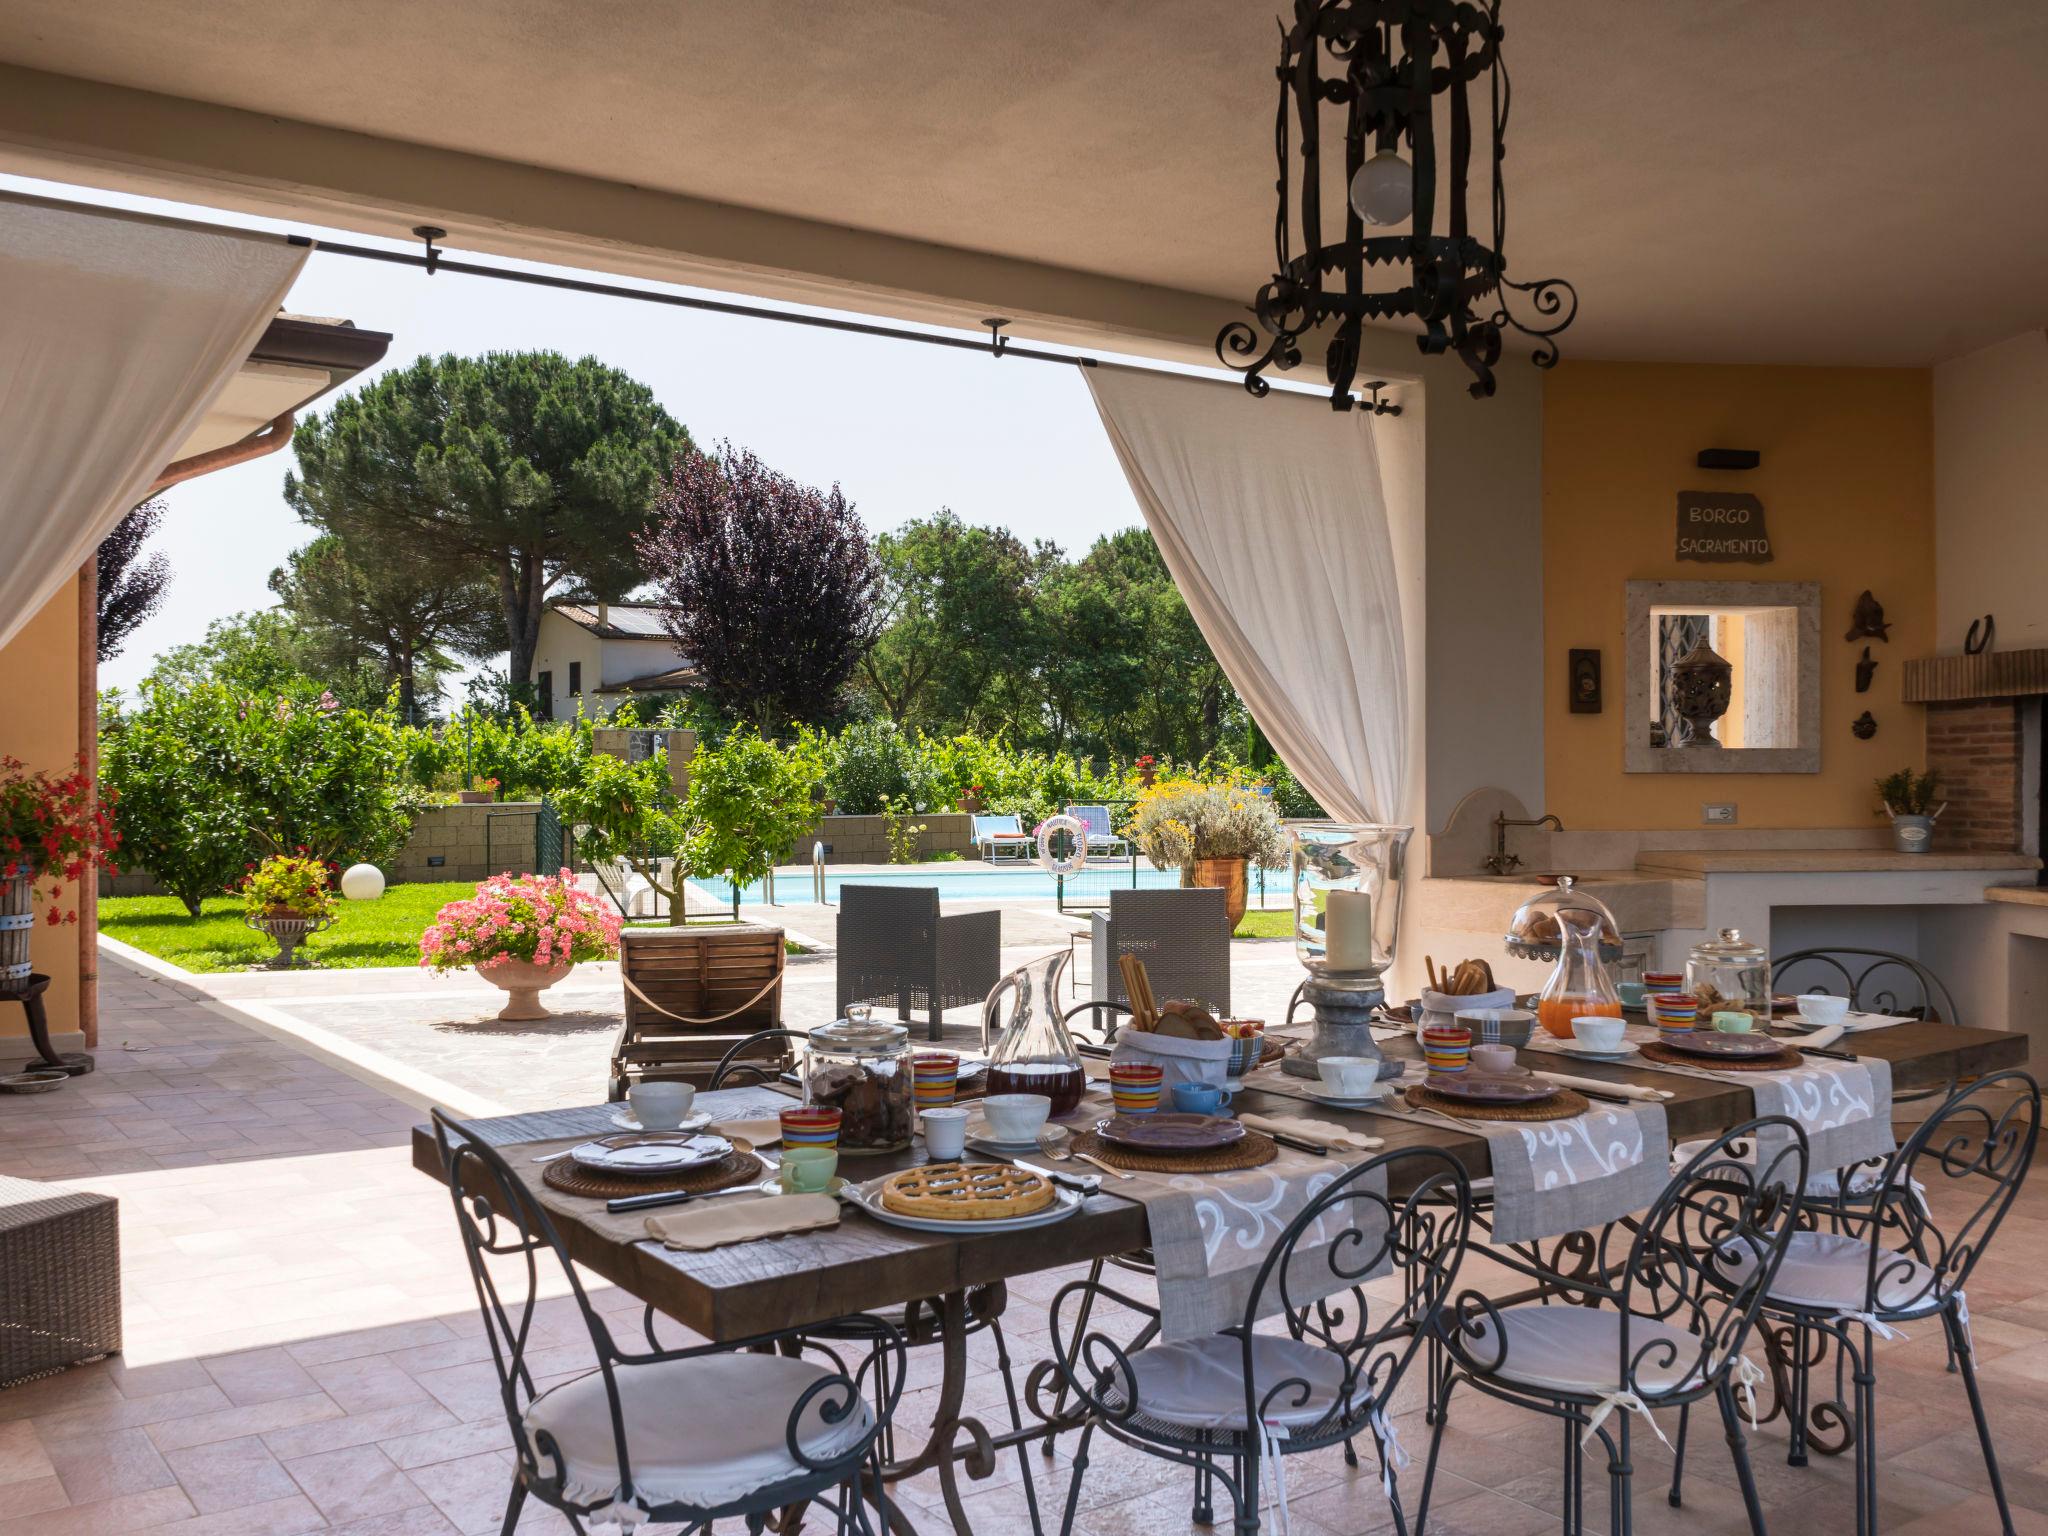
column 1230, row 875
column 524, row 982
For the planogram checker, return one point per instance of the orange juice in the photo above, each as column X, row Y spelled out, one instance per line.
column 1556, row 1013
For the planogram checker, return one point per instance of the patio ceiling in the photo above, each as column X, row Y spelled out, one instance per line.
column 1740, row 181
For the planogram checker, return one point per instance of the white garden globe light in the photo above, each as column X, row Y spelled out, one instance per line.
column 362, row 882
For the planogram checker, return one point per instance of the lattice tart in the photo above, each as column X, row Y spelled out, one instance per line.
column 966, row 1192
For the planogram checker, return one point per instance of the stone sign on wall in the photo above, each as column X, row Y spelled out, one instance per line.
column 1722, row 526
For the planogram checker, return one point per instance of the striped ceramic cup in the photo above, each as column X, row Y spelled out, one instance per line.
column 1447, row 1047
column 935, row 1076
column 1134, row 1086
column 810, row 1125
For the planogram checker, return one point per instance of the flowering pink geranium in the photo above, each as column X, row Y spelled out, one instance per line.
column 546, row 919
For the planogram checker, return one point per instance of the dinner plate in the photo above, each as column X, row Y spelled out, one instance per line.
column 624, row 1119
column 1170, row 1131
column 868, row 1198
column 1713, row 1042
column 649, row 1152
column 1479, row 1088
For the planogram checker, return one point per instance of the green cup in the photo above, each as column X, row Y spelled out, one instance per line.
column 1734, row 1023
column 808, row 1170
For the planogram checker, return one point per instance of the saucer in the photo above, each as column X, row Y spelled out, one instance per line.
column 1574, row 1048
column 1323, row 1094
column 622, row 1117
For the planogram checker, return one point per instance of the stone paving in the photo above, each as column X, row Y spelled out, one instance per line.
column 303, row 1351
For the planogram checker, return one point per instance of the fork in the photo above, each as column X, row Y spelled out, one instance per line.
column 1057, row 1148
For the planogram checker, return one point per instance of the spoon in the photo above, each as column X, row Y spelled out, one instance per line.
column 1052, row 1141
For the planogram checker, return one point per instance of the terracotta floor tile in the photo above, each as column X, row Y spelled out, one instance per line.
column 22, row 1457
column 230, row 1474
column 255, row 1419
column 98, row 1465
column 353, row 1482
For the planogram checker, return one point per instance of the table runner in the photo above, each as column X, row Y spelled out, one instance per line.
column 629, row 1227
column 1845, row 1107
column 1556, row 1176
column 1210, row 1232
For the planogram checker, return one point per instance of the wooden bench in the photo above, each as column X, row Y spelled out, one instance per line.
column 691, row 995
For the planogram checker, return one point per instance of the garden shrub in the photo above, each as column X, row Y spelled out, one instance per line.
column 749, row 801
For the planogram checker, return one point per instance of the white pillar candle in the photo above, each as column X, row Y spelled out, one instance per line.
column 1347, row 932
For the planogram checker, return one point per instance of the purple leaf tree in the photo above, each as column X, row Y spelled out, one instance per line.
column 768, row 587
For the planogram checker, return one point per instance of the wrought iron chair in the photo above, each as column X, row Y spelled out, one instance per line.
column 1874, row 981
column 1895, row 1262
column 760, row 1058
column 895, row 948
column 1230, row 1402
column 630, row 1440
column 1656, row 1326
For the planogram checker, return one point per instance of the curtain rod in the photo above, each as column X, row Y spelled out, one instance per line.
column 433, row 260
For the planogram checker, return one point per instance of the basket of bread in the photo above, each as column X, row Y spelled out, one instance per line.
column 1183, row 1039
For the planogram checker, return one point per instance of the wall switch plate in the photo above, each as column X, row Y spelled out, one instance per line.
column 1722, row 814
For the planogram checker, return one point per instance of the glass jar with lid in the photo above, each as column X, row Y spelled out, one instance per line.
column 860, row 1066
column 1730, row 975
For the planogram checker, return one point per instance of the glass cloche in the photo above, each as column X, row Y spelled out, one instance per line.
column 1536, row 934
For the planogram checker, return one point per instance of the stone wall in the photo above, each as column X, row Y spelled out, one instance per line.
column 468, row 846
column 1975, row 747
column 865, row 839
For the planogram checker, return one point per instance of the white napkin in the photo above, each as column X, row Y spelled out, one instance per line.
column 764, row 1132
column 1321, row 1133
column 1821, row 1039
column 1602, row 1085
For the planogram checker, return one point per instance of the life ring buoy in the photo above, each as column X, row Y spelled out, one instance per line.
column 1076, row 860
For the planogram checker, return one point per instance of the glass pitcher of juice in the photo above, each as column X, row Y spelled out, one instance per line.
column 1579, row 985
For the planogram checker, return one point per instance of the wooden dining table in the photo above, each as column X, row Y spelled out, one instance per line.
column 957, row 1280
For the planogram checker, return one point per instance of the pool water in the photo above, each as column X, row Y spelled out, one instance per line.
column 1022, row 883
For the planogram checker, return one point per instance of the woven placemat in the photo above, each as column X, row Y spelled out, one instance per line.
column 736, row 1167
column 1787, row 1056
column 1561, row 1106
column 1252, row 1150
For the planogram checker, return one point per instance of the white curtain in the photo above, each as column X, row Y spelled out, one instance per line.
column 1272, row 520
column 117, row 331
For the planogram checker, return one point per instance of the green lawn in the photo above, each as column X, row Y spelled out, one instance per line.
column 381, row 932
column 1267, row 923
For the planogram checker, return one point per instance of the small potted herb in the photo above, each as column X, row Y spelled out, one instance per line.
column 288, row 897
column 1908, row 798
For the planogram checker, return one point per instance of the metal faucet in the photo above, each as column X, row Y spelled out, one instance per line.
column 1500, row 861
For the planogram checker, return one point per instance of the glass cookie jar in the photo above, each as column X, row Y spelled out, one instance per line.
column 1730, row 975
column 861, row 1067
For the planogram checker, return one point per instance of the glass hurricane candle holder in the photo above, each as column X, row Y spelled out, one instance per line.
column 1347, row 917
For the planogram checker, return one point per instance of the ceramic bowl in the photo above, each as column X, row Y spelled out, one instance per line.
column 1015, row 1118
column 1822, row 1008
column 1499, row 1026
column 1599, row 1032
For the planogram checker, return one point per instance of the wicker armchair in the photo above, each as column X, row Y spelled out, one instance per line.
column 895, row 948
column 1183, row 936
column 60, row 1278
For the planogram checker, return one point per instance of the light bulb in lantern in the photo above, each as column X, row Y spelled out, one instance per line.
column 1383, row 191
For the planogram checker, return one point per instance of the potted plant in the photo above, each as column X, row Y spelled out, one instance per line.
column 1209, row 832
column 49, row 827
column 1147, row 767
column 522, row 933
column 972, row 802
column 485, row 792
column 288, row 897
column 1908, row 798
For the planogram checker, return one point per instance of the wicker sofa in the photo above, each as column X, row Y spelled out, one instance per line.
column 60, row 1278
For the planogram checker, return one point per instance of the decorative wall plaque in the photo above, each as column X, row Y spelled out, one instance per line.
column 1721, row 526
column 1585, row 682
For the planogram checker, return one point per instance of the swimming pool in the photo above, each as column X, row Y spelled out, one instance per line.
column 1023, row 883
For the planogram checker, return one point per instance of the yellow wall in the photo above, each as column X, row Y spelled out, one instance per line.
column 1847, row 487
column 39, row 725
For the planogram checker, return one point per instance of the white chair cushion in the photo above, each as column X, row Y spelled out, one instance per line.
column 1200, row 1382
column 1830, row 1272
column 701, row 1432
column 1578, row 1350
column 1855, row 1181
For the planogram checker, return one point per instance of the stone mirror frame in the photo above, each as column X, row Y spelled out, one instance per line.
column 1773, row 725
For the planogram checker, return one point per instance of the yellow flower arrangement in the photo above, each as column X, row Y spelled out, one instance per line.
column 1179, row 820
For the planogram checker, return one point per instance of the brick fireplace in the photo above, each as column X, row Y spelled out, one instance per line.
column 1984, row 737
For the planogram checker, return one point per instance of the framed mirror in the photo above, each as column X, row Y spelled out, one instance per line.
column 1722, row 677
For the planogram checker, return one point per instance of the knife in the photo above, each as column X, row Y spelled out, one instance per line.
column 625, row 1203
column 1086, row 1183
column 1298, row 1144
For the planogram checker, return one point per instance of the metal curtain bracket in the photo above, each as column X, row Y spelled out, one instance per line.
column 1376, row 406
column 430, row 233
column 998, row 343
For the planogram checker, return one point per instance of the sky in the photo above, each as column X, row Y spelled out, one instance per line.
column 903, row 428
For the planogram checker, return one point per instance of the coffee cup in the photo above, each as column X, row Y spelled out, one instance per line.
column 1599, row 1032
column 945, row 1133
column 1822, row 1008
column 1350, row 1077
column 660, row 1106
column 1730, row 1022
column 1200, row 1098
column 1134, row 1086
column 808, row 1170
column 1494, row 1060
column 935, row 1075
column 1015, row 1118
column 1447, row 1048
column 1633, row 993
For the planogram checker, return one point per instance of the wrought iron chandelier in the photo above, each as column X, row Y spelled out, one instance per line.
column 1383, row 64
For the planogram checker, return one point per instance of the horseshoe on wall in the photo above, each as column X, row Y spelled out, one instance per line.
column 1972, row 644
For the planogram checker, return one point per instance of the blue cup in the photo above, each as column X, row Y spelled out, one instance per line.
column 1200, row 1098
